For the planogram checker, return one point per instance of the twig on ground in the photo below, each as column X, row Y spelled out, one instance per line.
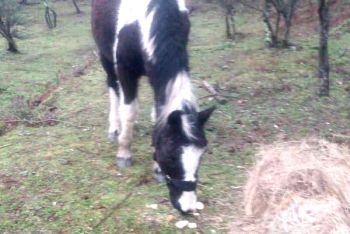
column 209, row 96
column 4, row 146
column 113, row 210
column 237, row 187
column 341, row 136
column 214, row 93
column 86, row 151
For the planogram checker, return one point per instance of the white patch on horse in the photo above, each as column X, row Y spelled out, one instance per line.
column 114, row 124
column 153, row 114
column 178, row 91
column 131, row 11
column 147, row 39
column 188, row 201
column 187, row 126
column 190, row 161
column 128, row 115
column 115, row 47
column 182, row 5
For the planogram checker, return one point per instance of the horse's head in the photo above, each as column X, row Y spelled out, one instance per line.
column 179, row 145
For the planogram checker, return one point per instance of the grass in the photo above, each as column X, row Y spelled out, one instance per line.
column 61, row 178
column 45, row 55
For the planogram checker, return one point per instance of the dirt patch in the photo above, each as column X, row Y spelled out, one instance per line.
column 9, row 182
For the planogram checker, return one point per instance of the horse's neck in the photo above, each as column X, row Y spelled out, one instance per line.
column 178, row 96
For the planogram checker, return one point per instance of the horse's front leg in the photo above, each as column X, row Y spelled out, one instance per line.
column 128, row 108
column 113, row 88
column 128, row 115
column 114, row 121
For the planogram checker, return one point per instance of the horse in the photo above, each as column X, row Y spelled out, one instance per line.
column 138, row 38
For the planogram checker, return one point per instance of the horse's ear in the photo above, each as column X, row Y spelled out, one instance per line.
column 204, row 115
column 174, row 119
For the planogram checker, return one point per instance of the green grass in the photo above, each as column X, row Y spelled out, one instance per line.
column 62, row 178
column 45, row 55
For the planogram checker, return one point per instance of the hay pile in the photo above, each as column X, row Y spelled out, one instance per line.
column 298, row 187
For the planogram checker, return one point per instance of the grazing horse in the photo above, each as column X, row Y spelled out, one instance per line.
column 149, row 38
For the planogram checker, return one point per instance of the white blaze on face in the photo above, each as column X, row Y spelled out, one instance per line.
column 190, row 162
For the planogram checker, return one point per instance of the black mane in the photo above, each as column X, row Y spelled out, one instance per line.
column 170, row 30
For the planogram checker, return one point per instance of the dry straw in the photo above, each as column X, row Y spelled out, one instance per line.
column 298, row 187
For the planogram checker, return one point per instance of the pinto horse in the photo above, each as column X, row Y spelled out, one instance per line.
column 149, row 38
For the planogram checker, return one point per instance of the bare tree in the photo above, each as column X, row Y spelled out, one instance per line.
column 273, row 12
column 286, row 10
column 9, row 18
column 229, row 7
column 271, row 33
column 50, row 16
column 323, row 70
column 77, row 9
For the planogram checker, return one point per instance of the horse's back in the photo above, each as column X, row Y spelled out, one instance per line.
column 104, row 20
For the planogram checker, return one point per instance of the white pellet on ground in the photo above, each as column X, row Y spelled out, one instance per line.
column 199, row 206
column 192, row 225
column 152, row 206
column 181, row 224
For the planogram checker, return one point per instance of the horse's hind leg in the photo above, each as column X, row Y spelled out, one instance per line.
column 128, row 108
column 114, row 122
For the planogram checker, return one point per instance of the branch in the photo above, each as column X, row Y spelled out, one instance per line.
column 4, row 146
column 214, row 93
column 113, row 210
column 341, row 136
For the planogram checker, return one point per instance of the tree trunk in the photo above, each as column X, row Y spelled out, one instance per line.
column 323, row 71
column 230, row 23
column 12, row 46
column 77, row 9
column 50, row 17
column 288, row 24
column 270, row 36
column 278, row 20
column 227, row 24
column 5, row 32
column 289, row 11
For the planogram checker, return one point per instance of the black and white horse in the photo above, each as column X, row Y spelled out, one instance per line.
column 149, row 37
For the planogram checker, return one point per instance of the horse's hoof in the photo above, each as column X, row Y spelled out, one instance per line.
column 159, row 177
column 113, row 136
column 124, row 162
